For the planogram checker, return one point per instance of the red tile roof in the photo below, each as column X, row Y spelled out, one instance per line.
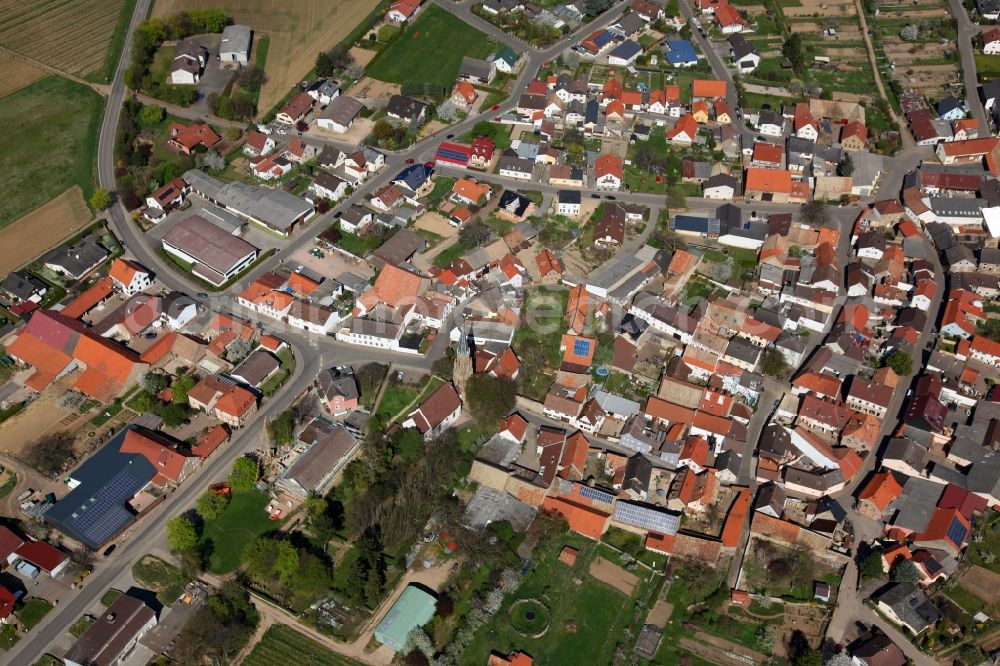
column 41, row 554
column 708, row 88
column 582, row 519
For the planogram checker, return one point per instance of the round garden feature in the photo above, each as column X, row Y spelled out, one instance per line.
column 529, row 617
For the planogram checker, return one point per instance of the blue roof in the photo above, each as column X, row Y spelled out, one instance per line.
column 97, row 510
column 604, row 38
column 647, row 517
column 627, row 49
column 694, row 224
column 452, row 154
column 681, row 52
column 413, row 176
column 957, row 532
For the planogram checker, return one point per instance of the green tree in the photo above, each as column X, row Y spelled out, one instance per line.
column 245, row 473
column 900, row 362
column 793, row 50
column 870, row 565
column 673, row 8
column 210, row 505
column 408, row 443
column 182, row 534
column 286, row 563
column 846, row 165
column 676, row 199
column 905, row 572
column 100, row 199
column 387, row 32
column 282, row 428
column 490, row 398
column 181, row 386
column 475, row 234
column 324, row 65
column 150, row 115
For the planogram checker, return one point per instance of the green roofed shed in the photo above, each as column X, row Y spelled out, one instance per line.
column 414, row 608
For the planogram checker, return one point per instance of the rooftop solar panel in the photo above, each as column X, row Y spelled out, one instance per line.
column 581, row 347
column 646, row 517
column 595, row 494
column 957, row 532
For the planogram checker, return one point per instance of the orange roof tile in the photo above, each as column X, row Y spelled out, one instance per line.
column 582, row 519
column 733, row 526
column 708, row 88
column 396, row 287
column 881, row 490
column 124, row 271
column 771, row 181
column 89, row 299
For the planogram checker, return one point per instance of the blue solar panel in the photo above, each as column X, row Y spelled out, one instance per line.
column 453, row 154
column 595, row 494
column 581, row 347
column 957, row 532
column 646, row 517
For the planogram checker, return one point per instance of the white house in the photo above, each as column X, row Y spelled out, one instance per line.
column 568, row 202
column 991, row 41
column 129, row 277
column 328, row 186
column 339, row 114
column 311, row 317
column 608, row 172
column 720, row 187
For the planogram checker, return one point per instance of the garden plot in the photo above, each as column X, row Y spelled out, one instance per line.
column 822, row 8
column 17, row 73
column 613, row 575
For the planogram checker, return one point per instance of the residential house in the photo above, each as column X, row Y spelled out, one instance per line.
column 406, row 109
column 295, row 110
column 609, row 172
column 339, row 114
column 436, row 413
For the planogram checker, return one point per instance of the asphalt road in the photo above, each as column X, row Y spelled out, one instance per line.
column 967, row 30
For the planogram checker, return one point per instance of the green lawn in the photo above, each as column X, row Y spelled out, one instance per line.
column 48, row 660
column 161, row 577
column 599, row 612
column 987, row 66
column 431, row 49
column 449, row 254
column 81, row 625
column 54, row 146
column 969, row 602
column 984, row 551
column 243, row 521
column 283, row 645
column 394, row 399
column 109, row 597
column 8, row 485
column 32, row 612
column 8, row 636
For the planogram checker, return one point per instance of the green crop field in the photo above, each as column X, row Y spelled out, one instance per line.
column 431, row 50
column 50, row 145
column 283, row 645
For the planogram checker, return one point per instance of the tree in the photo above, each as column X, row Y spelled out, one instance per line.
column 100, row 199
column 354, row 71
column 369, row 378
column 210, row 505
column 282, row 428
column 870, row 565
column 324, row 65
column 815, row 213
column 905, row 572
column 155, row 382
column 443, row 368
column 383, row 130
column 676, row 199
column 773, row 363
column 909, row 33
column 595, row 7
column 490, row 398
column 474, row 234
column 245, row 473
column 181, row 386
column 211, row 160
column 571, row 59
column 792, row 50
column 49, row 454
column 900, row 362
column 150, row 115
column 387, row 32
column 846, row 165
column 673, row 8
column 182, row 534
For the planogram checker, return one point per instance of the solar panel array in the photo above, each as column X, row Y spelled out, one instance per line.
column 452, row 154
column 596, row 495
column 646, row 517
column 957, row 532
column 581, row 347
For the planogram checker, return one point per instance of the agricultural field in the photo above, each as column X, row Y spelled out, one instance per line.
column 297, row 32
column 18, row 73
column 62, row 119
column 50, row 225
column 283, row 645
column 83, row 37
column 431, row 50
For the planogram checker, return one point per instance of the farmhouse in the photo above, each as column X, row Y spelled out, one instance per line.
column 473, row 70
column 189, row 60
column 186, row 138
column 113, row 636
column 406, row 109
column 295, row 110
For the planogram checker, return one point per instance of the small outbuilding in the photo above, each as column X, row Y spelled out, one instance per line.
column 414, row 608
